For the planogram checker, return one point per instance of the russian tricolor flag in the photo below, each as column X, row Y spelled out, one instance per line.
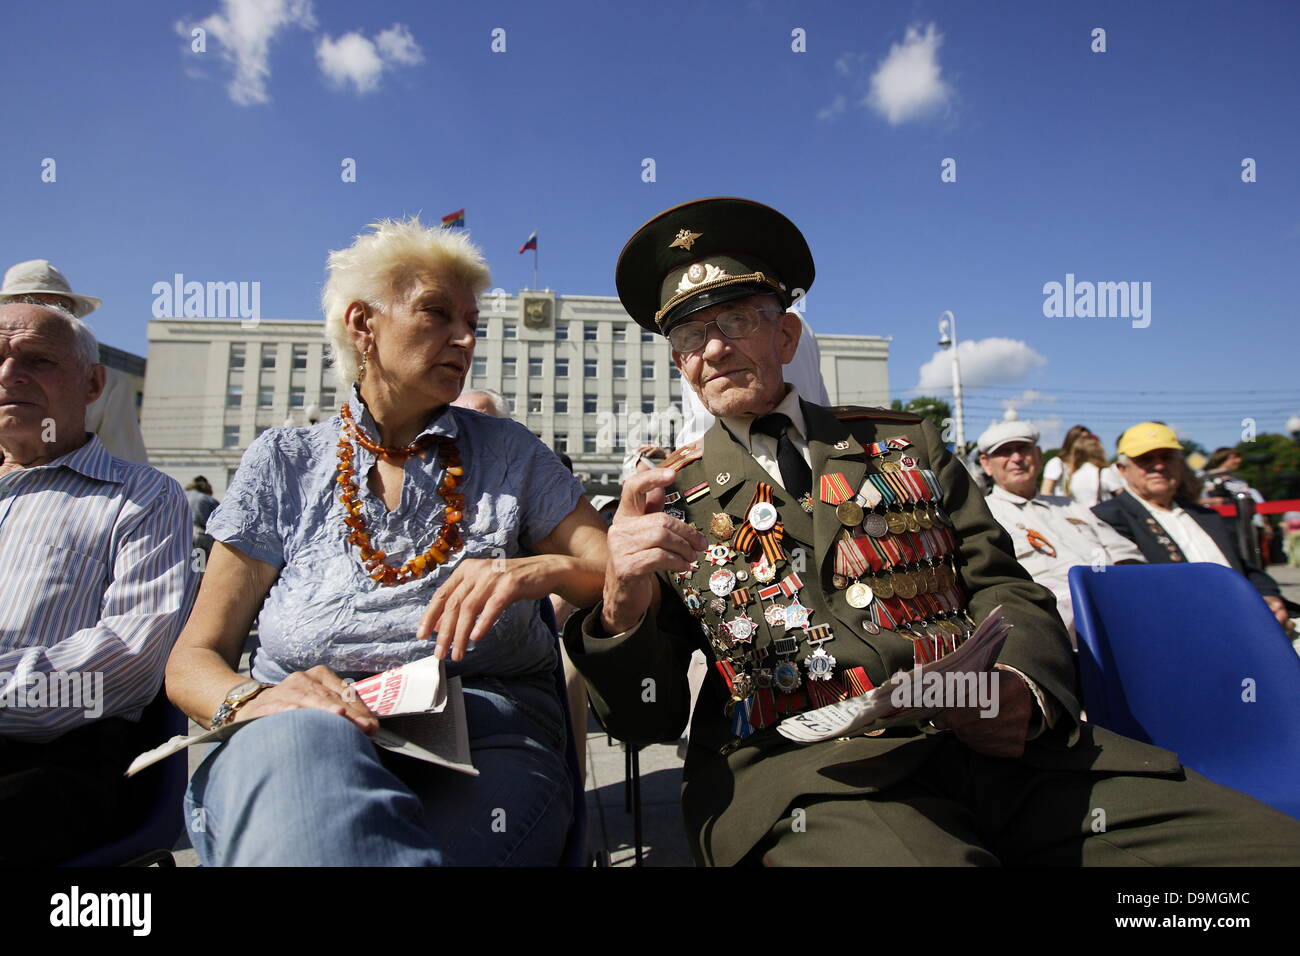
column 530, row 244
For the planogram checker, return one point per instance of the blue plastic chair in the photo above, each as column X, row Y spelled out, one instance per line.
column 152, row 803
column 1170, row 654
column 575, row 843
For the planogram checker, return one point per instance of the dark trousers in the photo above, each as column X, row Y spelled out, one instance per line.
column 60, row 798
column 964, row 809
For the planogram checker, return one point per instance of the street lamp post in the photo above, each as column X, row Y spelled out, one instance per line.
column 948, row 339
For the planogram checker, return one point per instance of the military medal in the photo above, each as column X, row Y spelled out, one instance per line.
column 693, row 601
column 849, row 513
column 721, row 526
column 786, row 677
column 883, row 586
column 721, row 554
column 875, row 525
column 820, row 665
column 839, row 581
column 806, row 502
column 796, row 615
column 859, row 595
column 762, row 516
column 741, row 628
column 675, row 512
column 774, row 614
column 681, row 577
column 718, row 606
column 894, row 521
column 722, row 582
column 764, row 571
column 742, row 575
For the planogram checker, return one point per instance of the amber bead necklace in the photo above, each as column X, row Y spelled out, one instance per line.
column 448, row 541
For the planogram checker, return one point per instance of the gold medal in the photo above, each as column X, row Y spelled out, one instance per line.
column 904, row 585
column 722, row 527
column 883, row 587
column 923, row 517
column 895, row 521
column 890, row 467
column 910, row 520
column 849, row 513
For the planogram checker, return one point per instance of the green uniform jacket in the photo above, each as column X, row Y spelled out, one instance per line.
column 732, row 794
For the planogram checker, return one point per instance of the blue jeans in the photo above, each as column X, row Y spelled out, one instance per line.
column 307, row 788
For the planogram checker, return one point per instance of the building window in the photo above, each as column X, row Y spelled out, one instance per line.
column 647, row 335
column 508, row 367
column 259, row 429
column 647, row 406
column 534, row 367
column 620, row 333
column 300, row 356
column 561, row 443
column 647, row 369
column 588, row 368
column 620, row 407
column 674, row 372
column 237, row 355
column 620, row 368
column 561, row 404
column 326, row 358
column 268, row 357
column 234, row 396
column 588, row 331
column 588, row 441
column 561, row 368
column 480, row 366
column 508, row 330
column 296, row 397
column 534, row 403
column 589, row 404
column 480, row 330
column 326, row 398
column 230, row 438
column 561, row 331
column 265, row 396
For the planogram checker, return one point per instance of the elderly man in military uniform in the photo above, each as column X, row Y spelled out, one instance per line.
column 811, row 553
column 1049, row 533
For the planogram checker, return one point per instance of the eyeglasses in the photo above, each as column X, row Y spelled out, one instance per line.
column 736, row 324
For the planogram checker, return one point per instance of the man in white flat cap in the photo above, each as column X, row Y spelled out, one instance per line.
column 112, row 415
column 1049, row 533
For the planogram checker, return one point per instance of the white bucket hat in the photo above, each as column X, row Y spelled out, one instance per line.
column 38, row 277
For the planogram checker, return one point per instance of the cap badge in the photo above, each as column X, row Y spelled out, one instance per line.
column 685, row 239
column 698, row 274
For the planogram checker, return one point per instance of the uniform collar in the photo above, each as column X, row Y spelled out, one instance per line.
column 1002, row 494
column 442, row 423
column 741, row 425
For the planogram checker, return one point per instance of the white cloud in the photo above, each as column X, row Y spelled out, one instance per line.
column 908, row 84
column 1030, row 396
column 244, row 29
column 835, row 109
column 994, row 361
column 354, row 59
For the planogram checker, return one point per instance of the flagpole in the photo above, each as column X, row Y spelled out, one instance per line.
column 535, row 285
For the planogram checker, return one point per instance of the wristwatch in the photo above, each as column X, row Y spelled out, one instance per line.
column 236, row 697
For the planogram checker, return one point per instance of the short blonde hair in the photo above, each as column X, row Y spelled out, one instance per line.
column 380, row 266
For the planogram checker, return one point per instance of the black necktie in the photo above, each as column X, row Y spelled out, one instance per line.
column 795, row 474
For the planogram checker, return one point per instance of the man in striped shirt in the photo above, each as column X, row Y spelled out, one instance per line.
column 95, row 584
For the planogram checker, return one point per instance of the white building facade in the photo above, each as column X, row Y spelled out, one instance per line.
column 579, row 373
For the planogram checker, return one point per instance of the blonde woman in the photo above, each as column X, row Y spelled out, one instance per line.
column 400, row 519
column 1055, row 472
column 1087, row 479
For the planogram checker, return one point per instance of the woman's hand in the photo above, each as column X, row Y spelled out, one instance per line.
column 478, row 592
column 318, row 688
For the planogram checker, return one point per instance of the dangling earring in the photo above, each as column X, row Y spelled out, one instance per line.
column 361, row 371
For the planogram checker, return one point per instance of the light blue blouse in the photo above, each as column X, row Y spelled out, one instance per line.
column 283, row 508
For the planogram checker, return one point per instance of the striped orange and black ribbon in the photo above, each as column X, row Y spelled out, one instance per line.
column 770, row 540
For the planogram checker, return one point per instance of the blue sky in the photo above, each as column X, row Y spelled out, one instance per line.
column 1115, row 166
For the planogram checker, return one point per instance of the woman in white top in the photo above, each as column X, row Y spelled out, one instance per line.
column 1088, row 481
column 1055, row 472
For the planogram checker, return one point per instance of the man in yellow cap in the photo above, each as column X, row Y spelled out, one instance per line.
column 812, row 552
column 1170, row 530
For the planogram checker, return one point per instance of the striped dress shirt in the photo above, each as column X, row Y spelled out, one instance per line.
column 95, row 583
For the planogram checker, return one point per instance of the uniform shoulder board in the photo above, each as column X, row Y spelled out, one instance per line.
column 850, row 413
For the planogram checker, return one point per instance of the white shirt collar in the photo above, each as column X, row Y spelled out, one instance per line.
column 740, row 425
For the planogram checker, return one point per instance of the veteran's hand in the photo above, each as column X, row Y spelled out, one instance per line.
column 1278, row 607
column 1000, row 736
column 480, row 589
column 319, row 688
column 643, row 540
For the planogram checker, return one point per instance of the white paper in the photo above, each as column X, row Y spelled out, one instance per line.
column 410, row 701
column 876, row 710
